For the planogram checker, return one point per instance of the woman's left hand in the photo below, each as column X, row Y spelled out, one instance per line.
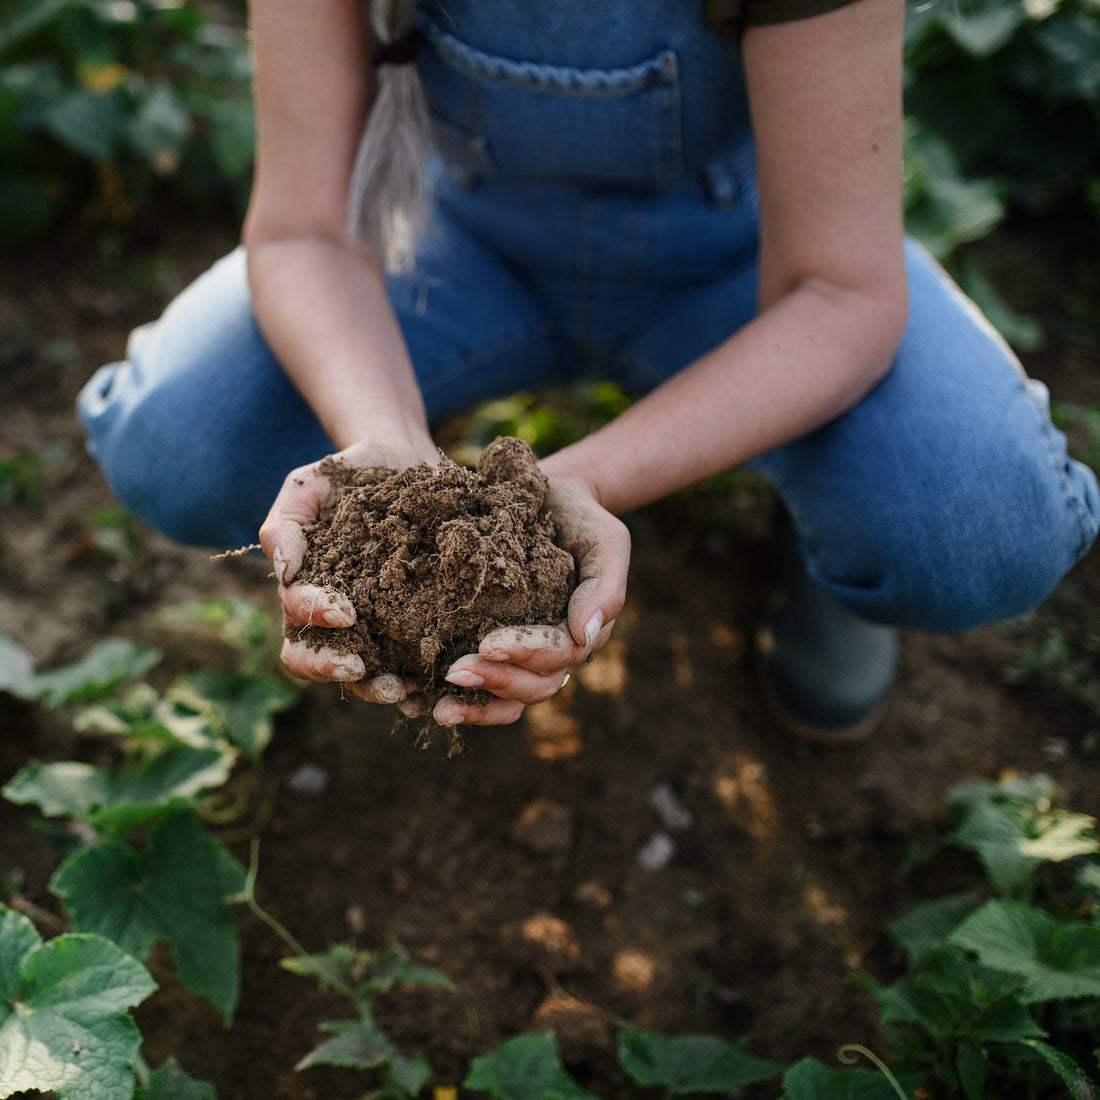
column 527, row 664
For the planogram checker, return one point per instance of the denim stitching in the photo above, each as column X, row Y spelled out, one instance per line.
column 668, row 127
column 476, row 63
column 1085, row 525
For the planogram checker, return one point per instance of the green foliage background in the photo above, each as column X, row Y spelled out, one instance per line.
column 114, row 110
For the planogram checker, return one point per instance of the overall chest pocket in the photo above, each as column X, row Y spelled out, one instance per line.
column 493, row 115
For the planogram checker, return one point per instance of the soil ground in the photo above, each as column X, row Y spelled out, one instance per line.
column 514, row 868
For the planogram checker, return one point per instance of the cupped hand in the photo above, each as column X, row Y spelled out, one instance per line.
column 304, row 494
column 527, row 664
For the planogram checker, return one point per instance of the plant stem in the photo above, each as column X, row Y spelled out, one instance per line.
column 141, row 1071
column 850, row 1053
column 250, row 899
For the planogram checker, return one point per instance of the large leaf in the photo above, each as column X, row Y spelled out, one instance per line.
column 942, row 208
column 924, row 927
column 100, row 671
column 1012, row 828
column 89, row 123
column 141, row 714
column 1056, row 959
column 1075, row 1079
column 175, row 890
column 64, row 1020
column 239, row 706
column 28, row 17
column 689, row 1063
column 527, row 1067
column 118, row 801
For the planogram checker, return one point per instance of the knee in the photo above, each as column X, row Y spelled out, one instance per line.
column 154, row 460
column 983, row 557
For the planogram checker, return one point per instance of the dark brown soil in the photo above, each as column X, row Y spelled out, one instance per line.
column 435, row 557
column 514, row 868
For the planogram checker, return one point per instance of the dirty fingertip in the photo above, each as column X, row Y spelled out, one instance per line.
column 280, row 564
column 412, row 706
column 347, row 666
column 448, row 713
column 387, row 688
column 592, row 629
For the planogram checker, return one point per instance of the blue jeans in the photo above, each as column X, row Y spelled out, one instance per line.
column 944, row 499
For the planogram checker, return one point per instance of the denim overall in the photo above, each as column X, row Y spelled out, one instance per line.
column 596, row 217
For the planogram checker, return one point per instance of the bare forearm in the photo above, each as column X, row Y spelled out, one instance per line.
column 323, row 308
column 801, row 363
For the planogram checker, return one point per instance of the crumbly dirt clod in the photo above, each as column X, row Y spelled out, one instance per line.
column 435, row 557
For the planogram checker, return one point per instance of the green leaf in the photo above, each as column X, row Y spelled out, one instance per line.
column 982, row 29
column 89, row 123
column 362, row 1044
column 64, row 1023
column 1012, row 828
column 358, row 1044
column 950, row 995
column 942, row 208
column 29, row 18
column 160, row 129
column 233, row 136
column 410, row 1075
column 239, row 623
column 175, row 891
column 16, row 664
column 116, row 802
column 924, row 927
column 1057, row 959
column 689, row 1063
column 169, row 1082
column 971, row 1066
column 141, row 714
column 364, row 973
column 394, row 967
column 527, row 1067
column 1072, row 45
column 1075, row 1079
column 238, row 705
column 1022, row 332
column 339, row 967
column 810, row 1079
column 99, row 672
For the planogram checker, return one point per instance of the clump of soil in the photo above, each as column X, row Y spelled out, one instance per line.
column 435, row 557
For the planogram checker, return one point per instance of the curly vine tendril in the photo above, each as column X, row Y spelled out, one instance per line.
column 850, row 1054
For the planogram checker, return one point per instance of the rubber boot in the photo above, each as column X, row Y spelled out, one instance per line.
column 824, row 671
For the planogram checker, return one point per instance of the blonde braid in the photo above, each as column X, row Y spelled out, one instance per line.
column 388, row 193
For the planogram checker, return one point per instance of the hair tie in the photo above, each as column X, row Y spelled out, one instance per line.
column 401, row 51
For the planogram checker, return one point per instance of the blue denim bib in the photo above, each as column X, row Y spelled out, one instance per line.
column 618, row 94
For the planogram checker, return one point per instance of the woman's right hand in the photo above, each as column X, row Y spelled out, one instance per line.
column 304, row 494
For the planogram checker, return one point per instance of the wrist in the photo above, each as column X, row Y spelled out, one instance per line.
column 566, row 467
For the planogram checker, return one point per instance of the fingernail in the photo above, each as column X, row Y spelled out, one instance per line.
column 463, row 677
column 494, row 655
column 337, row 618
column 348, row 668
column 278, row 560
column 448, row 718
column 592, row 629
